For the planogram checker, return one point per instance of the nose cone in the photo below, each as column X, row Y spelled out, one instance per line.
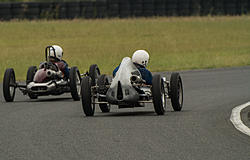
column 120, row 94
column 121, row 91
column 40, row 76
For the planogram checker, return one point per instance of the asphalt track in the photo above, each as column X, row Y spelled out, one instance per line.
column 55, row 127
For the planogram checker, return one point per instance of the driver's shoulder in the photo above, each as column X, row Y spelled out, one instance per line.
column 145, row 71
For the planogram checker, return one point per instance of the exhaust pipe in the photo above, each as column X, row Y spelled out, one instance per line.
column 136, row 79
column 50, row 73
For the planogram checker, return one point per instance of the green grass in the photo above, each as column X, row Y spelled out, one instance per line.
column 173, row 43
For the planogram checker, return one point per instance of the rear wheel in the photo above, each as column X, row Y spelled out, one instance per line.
column 94, row 73
column 9, row 83
column 102, row 82
column 30, row 76
column 176, row 91
column 75, row 83
column 159, row 96
column 87, row 98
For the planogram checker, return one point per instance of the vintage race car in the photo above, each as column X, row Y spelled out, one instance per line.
column 128, row 90
column 47, row 80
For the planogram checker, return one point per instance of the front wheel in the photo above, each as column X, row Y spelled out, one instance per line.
column 102, row 82
column 176, row 91
column 30, row 76
column 87, row 98
column 94, row 73
column 75, row 83
column 158, row 93
column 9, row 83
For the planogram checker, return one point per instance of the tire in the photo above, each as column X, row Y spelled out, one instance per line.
column 159, row 96
column 94, row 74
column 9, row 82
column 176, row 91
column 88, row 107
column 30, row 76
column 102, row 82
column 75, row 83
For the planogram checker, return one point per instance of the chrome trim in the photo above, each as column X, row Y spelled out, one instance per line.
column 51, row 85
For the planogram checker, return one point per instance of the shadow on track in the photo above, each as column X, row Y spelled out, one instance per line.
column 121, row 114
column 69, row 99
column 137, row 113
column 60, row 99
column 126, row 114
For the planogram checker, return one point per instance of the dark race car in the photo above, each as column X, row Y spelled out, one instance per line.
column 128, row 90
column 47, row 80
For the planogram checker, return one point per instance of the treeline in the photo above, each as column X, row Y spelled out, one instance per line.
column 64, row 9
column 40, row 0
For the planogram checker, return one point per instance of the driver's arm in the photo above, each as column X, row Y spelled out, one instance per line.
column 146, row 75
column 66, row 71
column 63, row 66
column 115, row 70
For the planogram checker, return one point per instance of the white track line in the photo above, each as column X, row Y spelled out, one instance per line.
column 236, row 119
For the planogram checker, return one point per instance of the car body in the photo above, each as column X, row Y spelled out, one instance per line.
column 127, row 90
column 47, row 80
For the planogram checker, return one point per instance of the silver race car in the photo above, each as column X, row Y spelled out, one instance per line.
column 128, row 90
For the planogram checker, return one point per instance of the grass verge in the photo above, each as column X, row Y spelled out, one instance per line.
column 173, row 43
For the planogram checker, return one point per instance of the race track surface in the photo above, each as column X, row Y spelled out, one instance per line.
column 55, row 128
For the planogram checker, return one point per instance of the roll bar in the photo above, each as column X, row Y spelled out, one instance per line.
column 47, row 50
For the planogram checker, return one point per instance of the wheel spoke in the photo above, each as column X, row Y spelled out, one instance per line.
column 10, row 86
column 180, row 96
column 78, row 85
column 163, row 97
column 93, row 103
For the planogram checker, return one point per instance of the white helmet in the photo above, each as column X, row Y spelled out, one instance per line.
column 140, row 57
column 56, row 52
